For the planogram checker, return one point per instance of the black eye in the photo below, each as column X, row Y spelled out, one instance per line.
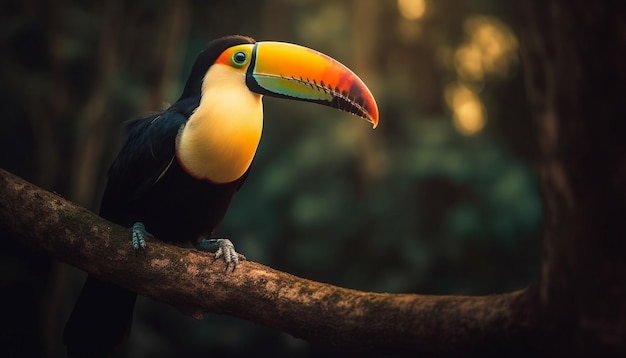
column 239, row 58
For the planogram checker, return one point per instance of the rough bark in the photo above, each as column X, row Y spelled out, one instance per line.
column 332, row 316
column 574, row 54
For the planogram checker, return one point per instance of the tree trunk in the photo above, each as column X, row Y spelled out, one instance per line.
column 574, row 55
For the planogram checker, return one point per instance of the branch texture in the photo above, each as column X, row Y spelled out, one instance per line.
column 328, row 315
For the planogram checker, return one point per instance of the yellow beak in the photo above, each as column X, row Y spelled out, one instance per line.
column 290, row 71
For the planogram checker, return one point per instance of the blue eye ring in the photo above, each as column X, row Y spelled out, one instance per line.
column 240, row 58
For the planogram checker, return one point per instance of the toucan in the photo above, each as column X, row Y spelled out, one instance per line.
column 178, row 169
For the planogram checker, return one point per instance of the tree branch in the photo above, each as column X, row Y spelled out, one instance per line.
column 332, row 316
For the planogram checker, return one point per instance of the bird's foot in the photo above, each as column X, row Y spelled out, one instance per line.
column 223, row 248
column 139, row 236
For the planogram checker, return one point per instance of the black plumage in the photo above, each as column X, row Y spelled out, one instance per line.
column 147, row 184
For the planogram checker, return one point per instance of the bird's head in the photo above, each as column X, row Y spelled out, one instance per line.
column 285, row 70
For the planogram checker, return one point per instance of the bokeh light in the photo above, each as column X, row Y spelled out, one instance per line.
column 490, row 50
column 412, row 9
column 468, row 112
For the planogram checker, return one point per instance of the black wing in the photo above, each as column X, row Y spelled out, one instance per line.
column 148, row 152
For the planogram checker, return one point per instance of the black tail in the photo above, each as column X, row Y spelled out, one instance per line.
column 101, row 320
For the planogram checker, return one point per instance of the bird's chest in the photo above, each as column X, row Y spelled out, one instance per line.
column 220, row 138
column 181, row 208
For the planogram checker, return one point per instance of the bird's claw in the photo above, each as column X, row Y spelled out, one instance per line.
column 222, row 248
column 139, row 236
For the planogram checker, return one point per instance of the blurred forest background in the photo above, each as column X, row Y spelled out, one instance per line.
column 440, row 199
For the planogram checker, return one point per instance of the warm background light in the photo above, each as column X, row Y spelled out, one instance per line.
column 489, row 51
column 467, row 110
column 412, row 9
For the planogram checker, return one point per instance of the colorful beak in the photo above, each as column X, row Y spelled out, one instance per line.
column 290, row 71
